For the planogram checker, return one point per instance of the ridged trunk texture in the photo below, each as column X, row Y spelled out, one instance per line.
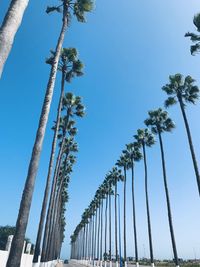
column 147, row 205
column 48, row 181
column 22, row 220
column 9, row 28
column 168, row 201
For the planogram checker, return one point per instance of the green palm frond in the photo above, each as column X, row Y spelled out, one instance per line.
column 195, row 48
column 82, row 6
column 181, row 89
column 196, row 21
column 159, row 121
column 170, row 101
column 144, row 136
column 195, row 38
column 51, row 9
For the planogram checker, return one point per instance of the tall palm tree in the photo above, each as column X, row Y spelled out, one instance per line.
column 78, row 8
column 95, row 230
column 98, row 196
column 66, row 170
column 73, row 107
column 145, row 138
column 9, row 28
column 105, row 233
column 160, row 122
column 195, row 38
column 109, row 183
column 102, row 196
column 69, row 65
column 124, row 162
column 133, row 153
column 184, row 91
column 116, row 176
column 108, row 192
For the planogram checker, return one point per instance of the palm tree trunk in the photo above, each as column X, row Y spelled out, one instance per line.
column 50, row 212
column 105, row 237
column 86, row 241
column 101, row 239
column 48, row 223
column 22, row 220
column 54, row 213
column 83, row 255
column 9, row 27
column 110, row 231
column 125, row 262
column 52, row 236
column 98, row 234
column 196, row 169
column 91, row 229
column 93, row 240
column 168, row 202
column 90, row 237
column 48, row 181
column 134, row 215
column 95, row 237
column 147, row 206
column 116, row 239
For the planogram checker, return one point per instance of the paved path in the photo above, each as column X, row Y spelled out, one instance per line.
column 75, row 264
column 72, row 264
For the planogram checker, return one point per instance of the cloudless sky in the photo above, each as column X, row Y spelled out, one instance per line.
column 129, row 49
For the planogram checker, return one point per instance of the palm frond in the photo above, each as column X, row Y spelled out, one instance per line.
column 170, row 101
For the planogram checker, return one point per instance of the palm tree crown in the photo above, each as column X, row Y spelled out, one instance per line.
column 159, row 121
column 144, row 137
column 132, row 152
column 68, row 64
column 181, row 89
column 77, row 7
column 195, row 38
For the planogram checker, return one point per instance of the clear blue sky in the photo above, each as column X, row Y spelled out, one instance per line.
column 129, row 49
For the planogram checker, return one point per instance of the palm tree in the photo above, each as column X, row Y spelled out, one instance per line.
column 73, row 107
column 70, row 66
column 102, row 196
column 108, row 192
column 105, row 233
column 65, row 171
column 95, row 231
column 9, row 28
column 78, row 8
column 184, row 91
column 116, row 176
column 98, row 196
column 109, row 183
column 124, row 162
column 133, row 153
column 160, row 122
column 145, row 138
column 195, row 38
